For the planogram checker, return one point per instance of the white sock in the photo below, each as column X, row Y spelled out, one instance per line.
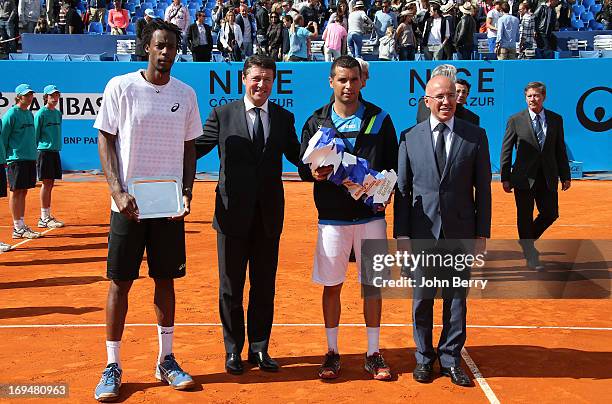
column 373, row 337
column 165, row 336
column 332, row 339
column 112, row 352
column 18, row 224
column 45, row 213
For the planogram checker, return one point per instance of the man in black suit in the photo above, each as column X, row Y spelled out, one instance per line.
column 443, row 192
column 541, row 159
column 252, row 135
column 461, row 112
column 463, row 92
column 199, row 39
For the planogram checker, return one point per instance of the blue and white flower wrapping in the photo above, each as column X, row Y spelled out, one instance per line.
column 350, row 171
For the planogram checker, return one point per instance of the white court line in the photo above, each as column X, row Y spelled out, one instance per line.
column 27, row 240
column 525, row 327
column 482, row 382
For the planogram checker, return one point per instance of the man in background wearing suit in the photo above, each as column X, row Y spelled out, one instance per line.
column 252, row 135
column 541, row 159
column 199, row 39
column 461, row 112
column 444, row 192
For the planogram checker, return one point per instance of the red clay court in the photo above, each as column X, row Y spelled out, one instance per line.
column 53, row 293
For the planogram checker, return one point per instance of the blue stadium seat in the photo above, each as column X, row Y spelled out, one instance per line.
column 590, row 54
column 159, row 13
column 19, row 56
column 139, row 12
column 39, row 56
column 146, row 5
column 192, row 12
column 588, row 3
column 59, row 57
column 578, row 9
column 595, row 8
column 597, row 26
column 586, row 16
column 131, row 29
column 130, row 7
column 96, row 27
column 120, row 57
column 578, row 24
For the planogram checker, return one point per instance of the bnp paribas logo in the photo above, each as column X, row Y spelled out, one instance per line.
column 594, row 102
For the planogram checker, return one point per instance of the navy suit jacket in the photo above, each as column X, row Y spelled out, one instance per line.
column 458, row 201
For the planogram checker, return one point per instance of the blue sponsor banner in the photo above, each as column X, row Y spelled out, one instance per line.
column 579, row 90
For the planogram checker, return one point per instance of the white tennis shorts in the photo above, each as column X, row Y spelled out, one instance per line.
column 334, row 248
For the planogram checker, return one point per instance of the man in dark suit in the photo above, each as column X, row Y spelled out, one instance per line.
column 199, row 39
column 541, row 159
column 444, row 192
column 252, row 135
column 545, row 23
column 461, row 112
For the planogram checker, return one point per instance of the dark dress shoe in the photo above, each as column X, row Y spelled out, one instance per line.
column 534, row 263
column 263, row 360
column 233, row 364
column 423, row 373
column 457, row 376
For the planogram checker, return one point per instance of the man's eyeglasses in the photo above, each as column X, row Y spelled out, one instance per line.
column 441, row 97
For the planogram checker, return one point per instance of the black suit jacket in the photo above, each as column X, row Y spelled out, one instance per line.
column 529, row 158
column 461, row 113
column 245, row 180
column 193, row 36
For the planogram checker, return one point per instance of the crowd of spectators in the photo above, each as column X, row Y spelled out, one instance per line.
column 396, row 29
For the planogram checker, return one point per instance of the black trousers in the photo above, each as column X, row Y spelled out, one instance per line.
column 260, row 252
column 201, row 53
column 545, row 199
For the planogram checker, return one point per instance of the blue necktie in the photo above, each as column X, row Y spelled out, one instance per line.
column 539, row 131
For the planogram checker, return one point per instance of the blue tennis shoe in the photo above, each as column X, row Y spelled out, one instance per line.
column 108, row 387
column 170, row 372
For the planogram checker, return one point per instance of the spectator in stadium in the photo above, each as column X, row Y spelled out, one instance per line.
column 19, row 141
column 436, row 34
column 526, row 29
column 262, row 18
column 383, row 19
column 405, row 37
column 341, row 11
column 97, row 11
column 463, row 92
column 481, row 14
column 545, row 18
column 310, row 12
column 178, row 14
column 118, row 19
column 29, row 12
column 507, row 34
column 230, row 38
column 42, row 27
column 48, row 129
column 248, row 26
column 299, row 39
column 287, row 23
column 492, row 18
column 199, row 39
column 61, row 16
column 140, row 53
column 448, row 14
column 74, row 22
column 372, row 10
column 51, row 8
column 386, row 46
column 464, row 33
column 358, row 23
column 218, row 15
column 333, row 36
column 275, row 37
column 605, row 15
column 289, row 10
column 8, row 16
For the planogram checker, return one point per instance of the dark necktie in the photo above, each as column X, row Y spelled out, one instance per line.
column 258, row 133
column 539, row 131
column 441, row 148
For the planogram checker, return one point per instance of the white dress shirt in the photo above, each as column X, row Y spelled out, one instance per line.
column 448, row 136
column 532, row 115
column 251, row 115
